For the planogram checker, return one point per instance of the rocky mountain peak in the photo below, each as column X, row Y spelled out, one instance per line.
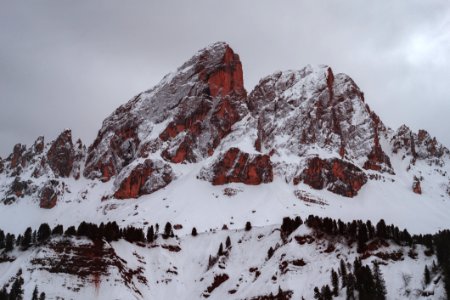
column 184, row 117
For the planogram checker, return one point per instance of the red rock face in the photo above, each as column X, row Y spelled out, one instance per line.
column 202, row 100
column 61, row 155
column 236, row 166
column 143, row 179
column 377, row 160
column 17, row 156
column 336, row 175
column 48, row 196
column 416, row 186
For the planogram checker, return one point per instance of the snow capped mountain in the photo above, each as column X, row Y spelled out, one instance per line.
column 198, row 151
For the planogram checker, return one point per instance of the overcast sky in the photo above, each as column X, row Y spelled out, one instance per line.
column 69, row 64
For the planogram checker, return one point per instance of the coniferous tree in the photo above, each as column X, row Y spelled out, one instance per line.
column 194, row 231
column 362, row 237
column 3, row 294
column 317, row 294
column 58, row 230
column 350, row 287
column 43, row 233
column 228, row 242
column 16, row 292
column 270, row 253
column 220, row 252
column 2, row 239
column 248, row 226
column 71, row 231
column 9, row 242
column 19, row 240
column 168, row 232
column 326, row 293
column 343, row 272
column 35, row 294
column 426, row 276
column 335, row 282
column 150, row 234
column 27, row 239
column 42, row 296
column 380, row 286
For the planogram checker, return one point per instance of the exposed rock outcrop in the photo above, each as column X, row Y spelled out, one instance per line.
column 377, row 160
column 336, row 175
column 142, row 179
column 241, row 167
column 300, row 110
column 419, row 146
column 189, row 112
column 416, row 187
column 48, row 196
column 61, row 154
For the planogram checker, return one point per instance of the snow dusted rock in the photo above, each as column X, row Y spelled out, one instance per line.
column 2, row 165
column 336, row 175
column 49, row 194
column 416, row 186
column 142, row 179
column 420, row 146
column 241, row 167
column 185, row 116
column 301, row 110
column 61, row 154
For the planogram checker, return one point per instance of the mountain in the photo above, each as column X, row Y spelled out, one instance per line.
column 198, row 150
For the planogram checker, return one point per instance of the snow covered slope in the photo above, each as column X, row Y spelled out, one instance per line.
column 190, row 267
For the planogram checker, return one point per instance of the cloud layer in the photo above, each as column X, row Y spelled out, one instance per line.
column 71, row 63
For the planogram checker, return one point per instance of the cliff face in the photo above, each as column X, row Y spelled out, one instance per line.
column 184, row 117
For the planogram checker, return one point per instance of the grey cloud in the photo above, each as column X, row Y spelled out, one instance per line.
column 71, row 63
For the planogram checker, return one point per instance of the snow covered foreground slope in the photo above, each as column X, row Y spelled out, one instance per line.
column 197, row 150
column 191, row 268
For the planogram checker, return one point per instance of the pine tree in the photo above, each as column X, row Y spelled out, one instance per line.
column 194, row 231
column 58, row 230
column 2, row 239
column 343, row 272
column 350, row 287
column 27, row 238
column 426, row 276
column 42, row 296
column 228, row 243
column 380, row 286
column 326, row 293
column 381, row 230
column 4, row 294
column 167, row 231
column 35, row 294
column 270, row 253
column 16, row 292
column 335, row 282
column 220, row 252
column 248, row 226
column 43, row 233
column 317, row 294
column 9, row 242
column 150, row 234
column 71, row 231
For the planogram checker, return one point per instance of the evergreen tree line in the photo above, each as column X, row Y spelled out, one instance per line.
column 362, row 232
column 108, row 232
column 359, row 282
